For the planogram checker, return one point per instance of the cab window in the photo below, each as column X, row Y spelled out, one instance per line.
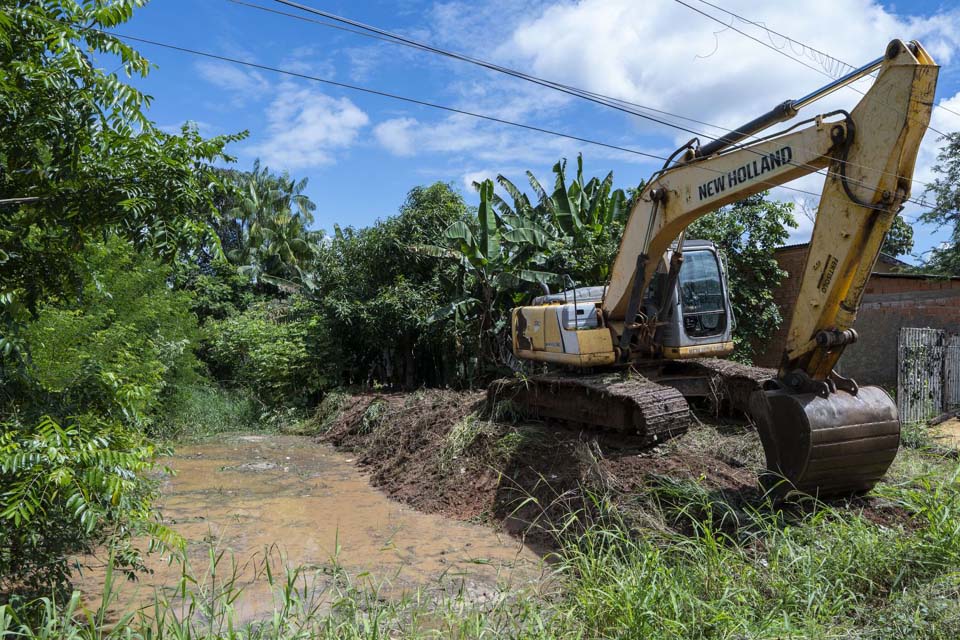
column 701, row 295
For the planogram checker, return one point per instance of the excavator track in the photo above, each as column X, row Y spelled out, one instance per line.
column 624, row 403
column 727, row 385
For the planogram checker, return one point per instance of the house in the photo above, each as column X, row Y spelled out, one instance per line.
column 892, row 299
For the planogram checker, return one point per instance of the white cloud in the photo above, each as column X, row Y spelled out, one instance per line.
column 660, row 54
column 305, row 128
column 225, row 75
column 666, row 56
column 396, row 135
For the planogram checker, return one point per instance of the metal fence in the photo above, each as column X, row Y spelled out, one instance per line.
column 928, row 380
column 951, row 374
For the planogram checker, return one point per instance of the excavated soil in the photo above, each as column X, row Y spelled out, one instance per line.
column 528, row 473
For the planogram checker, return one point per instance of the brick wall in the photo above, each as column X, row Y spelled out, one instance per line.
column 791, row 260
column 890, row 301
column 894, row 304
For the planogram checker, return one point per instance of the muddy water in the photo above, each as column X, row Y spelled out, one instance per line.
column 244, row 494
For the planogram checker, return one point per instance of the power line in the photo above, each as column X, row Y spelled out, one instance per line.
column 781, row 52
column 423, row 103
column 384, row 35
column 489, row 65
column 385, row 94
column 441, row 107
column 605, row 100
column 802, row 44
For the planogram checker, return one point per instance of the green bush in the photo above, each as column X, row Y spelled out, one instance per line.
column 265, row 350
column 76, row 411
column 67, row 489
column 114, row 350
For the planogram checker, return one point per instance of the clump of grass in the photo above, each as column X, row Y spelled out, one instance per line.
column 461, row 437
column 323, row 416
column 373, row 416
column 202, row 410
column 510, row 443
column 916, row 435
column 504, row 410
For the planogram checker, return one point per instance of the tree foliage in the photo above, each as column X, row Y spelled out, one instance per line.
column 747, row 232
column 899, row 240
column 945, row 212
column 91, row 335
column 270, row 220
column 76, row 142
column 76, row 412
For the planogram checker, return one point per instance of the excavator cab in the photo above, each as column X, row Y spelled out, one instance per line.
column 698, row 319
column 693, row 319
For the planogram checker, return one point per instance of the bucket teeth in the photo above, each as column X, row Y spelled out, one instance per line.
column 823, row 446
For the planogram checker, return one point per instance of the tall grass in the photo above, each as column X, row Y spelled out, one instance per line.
column 677, row 561
column 766, row 571
column 195, row 411
column 306, row 602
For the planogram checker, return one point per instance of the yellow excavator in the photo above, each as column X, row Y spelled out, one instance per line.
column 665, row 314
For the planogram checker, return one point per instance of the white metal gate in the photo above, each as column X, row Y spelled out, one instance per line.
column 951, row 374
column 920, row 379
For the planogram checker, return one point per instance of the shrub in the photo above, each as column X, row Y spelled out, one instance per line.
column 113, row 351
column 68, row 488
column 265, row 350
column 204, row 409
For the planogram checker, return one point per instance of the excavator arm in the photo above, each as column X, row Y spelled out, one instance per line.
column 870, row 153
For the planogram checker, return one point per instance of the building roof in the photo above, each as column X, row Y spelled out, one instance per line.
column 884, row 257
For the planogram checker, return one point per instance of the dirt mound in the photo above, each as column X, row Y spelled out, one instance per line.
column 443, row 452
column 439, row 452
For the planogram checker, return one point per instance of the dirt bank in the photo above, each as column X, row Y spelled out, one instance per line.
column 442, row 452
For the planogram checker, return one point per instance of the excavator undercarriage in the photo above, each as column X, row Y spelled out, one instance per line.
column 648, row 402
column 630, row 357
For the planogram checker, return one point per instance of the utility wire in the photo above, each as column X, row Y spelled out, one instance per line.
column 384, row 35
column 482, row 63
column 802, row 44
column 783, row 53
column 393, row 39
column 423, row 103
column 442, row 107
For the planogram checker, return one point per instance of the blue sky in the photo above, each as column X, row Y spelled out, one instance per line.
column 363, row 153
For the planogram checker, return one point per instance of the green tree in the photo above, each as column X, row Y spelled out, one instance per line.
column 78, row 156
column 90, row 332
column 946, row 207
column 579, row 224
column 75, row 413
column 272, row 225
column 899, row 240
column 376, row 292
column 747, row 233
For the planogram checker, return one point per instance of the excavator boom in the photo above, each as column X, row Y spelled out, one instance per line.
column 821, row 432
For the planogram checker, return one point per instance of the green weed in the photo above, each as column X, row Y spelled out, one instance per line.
column 460, row 438
column 323, row 416
column 199, row 411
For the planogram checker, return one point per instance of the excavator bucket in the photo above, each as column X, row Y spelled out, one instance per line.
column 841, row 444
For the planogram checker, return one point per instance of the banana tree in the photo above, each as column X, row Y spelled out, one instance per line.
column 580, row 222
column 582, row 210
column 499, row 257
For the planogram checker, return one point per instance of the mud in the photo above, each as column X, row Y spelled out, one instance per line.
column 549, row 469
column 249, row 493
column 947, row 433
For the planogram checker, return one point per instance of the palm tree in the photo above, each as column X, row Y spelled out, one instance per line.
column 274, row 216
